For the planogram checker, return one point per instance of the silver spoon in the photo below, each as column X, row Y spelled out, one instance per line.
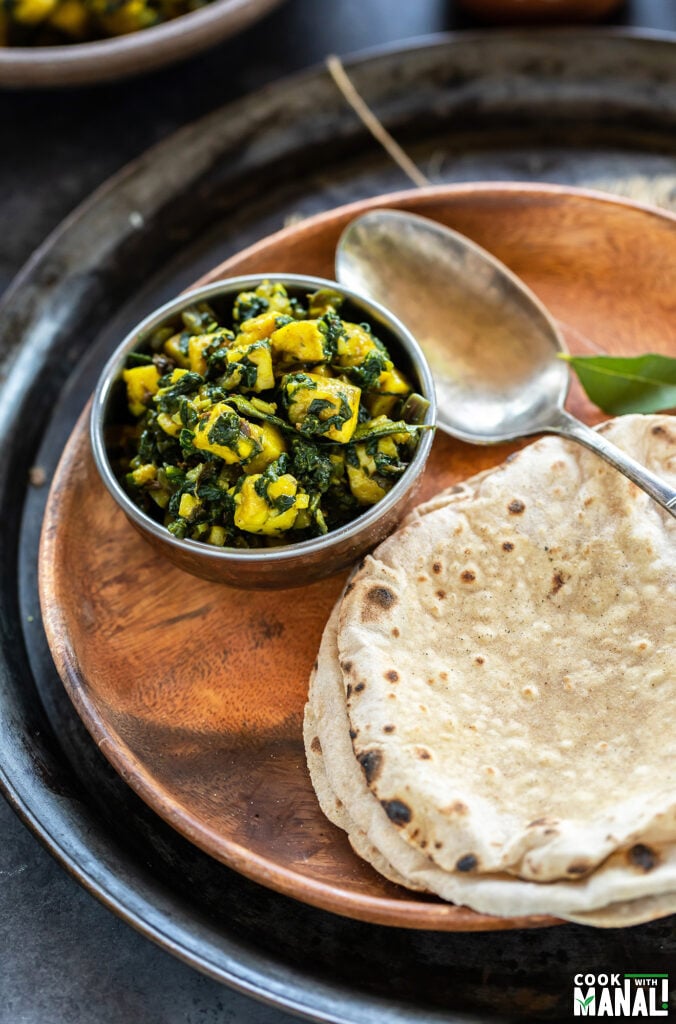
column 492, row 346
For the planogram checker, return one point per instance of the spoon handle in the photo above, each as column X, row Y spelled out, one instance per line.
column 568, row 426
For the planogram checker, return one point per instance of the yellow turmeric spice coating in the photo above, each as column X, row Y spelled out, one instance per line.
column 271, row 423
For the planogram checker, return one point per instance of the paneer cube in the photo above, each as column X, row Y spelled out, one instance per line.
column 189, row 506
column 170, row 424
column 179, row 383
column 391, row 386
column 175, row 376
column 323, row 301
column 217, row 536
column 267, row 297
column 128, row 17
column 301, row 341
column 323, row 370
column 71, row 17
column 151, row 480
column 257, row 328
column 142, row 384
column 366, row 490
column 144, row 474
column 354, row 345
column 322, row 406
column 227, row 435
column 197, row 349
column 272, row 445
column 249, row 367
column 387, row 446
column 177, row 349
column 278, row 297
column 32, row 12
column 271, row 512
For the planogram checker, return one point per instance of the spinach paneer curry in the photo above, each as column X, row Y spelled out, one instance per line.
column 277, row 426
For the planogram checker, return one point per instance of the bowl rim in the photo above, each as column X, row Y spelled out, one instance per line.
column 135, row 338
column 112, row 57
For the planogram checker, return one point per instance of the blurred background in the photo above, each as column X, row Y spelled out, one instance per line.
column 58, row 145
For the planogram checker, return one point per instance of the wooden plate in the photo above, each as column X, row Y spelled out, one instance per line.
column 195, row 692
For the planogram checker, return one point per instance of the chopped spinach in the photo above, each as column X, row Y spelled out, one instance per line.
column 204, row 435
column 225, row 430
column 248, row 305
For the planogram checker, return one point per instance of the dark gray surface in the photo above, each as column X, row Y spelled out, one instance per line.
column 63, row 957
column 67, row 960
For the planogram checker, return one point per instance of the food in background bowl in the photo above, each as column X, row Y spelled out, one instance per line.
column 258, row 420
column 45, row 22
column 42, row 59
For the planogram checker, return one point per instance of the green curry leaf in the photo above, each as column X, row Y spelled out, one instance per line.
column 620, row 385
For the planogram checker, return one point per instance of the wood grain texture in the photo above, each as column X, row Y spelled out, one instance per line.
column 194, row 691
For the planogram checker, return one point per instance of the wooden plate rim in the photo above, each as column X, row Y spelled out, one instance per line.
column 432, row 194
column 406, row 913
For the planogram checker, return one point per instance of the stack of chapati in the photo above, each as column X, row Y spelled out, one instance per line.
column 492, row 716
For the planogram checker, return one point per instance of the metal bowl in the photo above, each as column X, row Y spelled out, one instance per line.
column 290, row 565
column 105, row 60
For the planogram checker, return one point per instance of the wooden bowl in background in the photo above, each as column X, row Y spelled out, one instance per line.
column 507, row 12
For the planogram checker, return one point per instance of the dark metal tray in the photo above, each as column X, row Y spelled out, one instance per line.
column 584, row 108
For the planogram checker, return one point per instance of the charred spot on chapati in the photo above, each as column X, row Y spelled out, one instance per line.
column 397, row 811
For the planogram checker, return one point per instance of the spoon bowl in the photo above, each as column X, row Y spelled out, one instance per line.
column 469, row 313
column 491, row 344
